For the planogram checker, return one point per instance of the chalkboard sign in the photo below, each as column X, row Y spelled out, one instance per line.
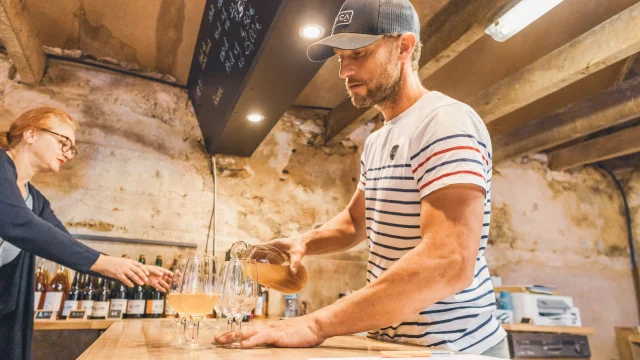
column 114, row 314
column 77, row 314
column 231, row 35
column 45, row 315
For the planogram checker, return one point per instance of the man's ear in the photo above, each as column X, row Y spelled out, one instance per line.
column 407, row 44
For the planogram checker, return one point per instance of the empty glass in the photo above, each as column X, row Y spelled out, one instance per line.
column 239, row 292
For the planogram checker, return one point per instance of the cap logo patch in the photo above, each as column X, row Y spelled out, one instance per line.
column 343, row 18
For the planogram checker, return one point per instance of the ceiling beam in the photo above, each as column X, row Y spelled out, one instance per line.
column 611, row 107
column 628, row 65
column 607, row 43
column 449, row 32
column 20, row 38
column 607, row 147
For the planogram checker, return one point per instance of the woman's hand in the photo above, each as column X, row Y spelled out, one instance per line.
column 125, row 270
column 159, row 278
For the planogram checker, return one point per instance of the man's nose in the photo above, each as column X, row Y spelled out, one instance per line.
column 346, row 69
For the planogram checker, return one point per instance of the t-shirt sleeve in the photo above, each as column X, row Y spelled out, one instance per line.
column 362, row 183
column 450, row 147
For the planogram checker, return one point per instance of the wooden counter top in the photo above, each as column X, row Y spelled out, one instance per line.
column 150, row 339
column 73, row 324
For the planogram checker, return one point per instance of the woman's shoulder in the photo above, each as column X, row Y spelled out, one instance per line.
column 7, row 168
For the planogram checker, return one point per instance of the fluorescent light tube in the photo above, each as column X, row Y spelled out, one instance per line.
column 518, row 15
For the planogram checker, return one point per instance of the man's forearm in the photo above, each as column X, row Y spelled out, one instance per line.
column 417, row 281
column 338, row 234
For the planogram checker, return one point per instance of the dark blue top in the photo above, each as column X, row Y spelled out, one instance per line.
column 37, row 232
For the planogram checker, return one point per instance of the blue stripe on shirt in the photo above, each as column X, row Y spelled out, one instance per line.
column 466, row 301
column 445, row 163
column 383, row 257
column 427, row 312
column 479, row 271
column 390, row 167
column 378, row 266
column 418, row 336
column 472, row 316
column 394, row 236
column 393, row 190
column 392, row 178
column 448, row 138
column 392, row 247
column 393, row 224
column 464, row 335
column 394, row 201
column 393, row 213
column 475, row 288
column 483, row 339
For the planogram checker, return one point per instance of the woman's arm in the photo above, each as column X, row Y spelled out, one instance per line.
column 22, row 228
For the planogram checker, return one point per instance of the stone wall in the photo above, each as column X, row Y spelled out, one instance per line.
column 142, row 173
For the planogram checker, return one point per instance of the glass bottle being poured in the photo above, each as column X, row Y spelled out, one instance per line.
column 273, row 266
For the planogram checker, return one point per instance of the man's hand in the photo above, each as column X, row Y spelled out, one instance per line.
column 159, row 278
column 301, row 332
column 292, row 246
column 125, row 270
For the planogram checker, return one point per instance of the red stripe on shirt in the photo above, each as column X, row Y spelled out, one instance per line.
column 363, row 184
column 449, row 150
column 452, row 174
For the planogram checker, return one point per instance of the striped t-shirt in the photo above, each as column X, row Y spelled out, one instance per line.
column 437, row 142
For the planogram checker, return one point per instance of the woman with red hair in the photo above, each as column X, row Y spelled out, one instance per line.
column 42, row 140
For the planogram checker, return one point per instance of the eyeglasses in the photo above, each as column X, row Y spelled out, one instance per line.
column 65, row 143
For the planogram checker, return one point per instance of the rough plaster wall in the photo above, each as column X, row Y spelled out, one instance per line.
column 142, row 173
column 566, row 230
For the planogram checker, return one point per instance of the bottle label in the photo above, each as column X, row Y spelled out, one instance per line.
column 119, row 304
column 36, row 300
column 68, row 306
column 259, row 306
column 168, row 310
column 155, row 307
column 87, row 305
column 135, row 307
column 52, row 301
column 100, row 308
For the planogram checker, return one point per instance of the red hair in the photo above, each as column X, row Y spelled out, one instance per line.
column 39, row 118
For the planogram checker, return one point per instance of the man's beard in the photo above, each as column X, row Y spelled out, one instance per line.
column 384, row 89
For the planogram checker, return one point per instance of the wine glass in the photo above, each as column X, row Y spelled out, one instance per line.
column 176, row 286
column 199, row 293
column 239, row 292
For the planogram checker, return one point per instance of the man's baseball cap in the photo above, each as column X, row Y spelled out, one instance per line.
column 362, row 22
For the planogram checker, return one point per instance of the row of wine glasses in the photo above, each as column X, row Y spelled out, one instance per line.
column 199, row 285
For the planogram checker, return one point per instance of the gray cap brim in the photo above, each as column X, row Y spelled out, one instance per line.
column 323, row 49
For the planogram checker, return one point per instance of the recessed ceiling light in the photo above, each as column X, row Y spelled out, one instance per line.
column 255, row 117
column 311, row 31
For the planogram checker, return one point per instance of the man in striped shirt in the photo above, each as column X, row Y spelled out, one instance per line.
column 423, row 202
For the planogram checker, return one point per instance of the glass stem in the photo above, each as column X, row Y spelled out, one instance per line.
column 236, row 342
column 229, row 324
column 196, row 330
column 182, row 337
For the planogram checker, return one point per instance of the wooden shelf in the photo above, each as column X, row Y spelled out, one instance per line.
column 73, row 324
column 518, row 289
column 549, row 329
